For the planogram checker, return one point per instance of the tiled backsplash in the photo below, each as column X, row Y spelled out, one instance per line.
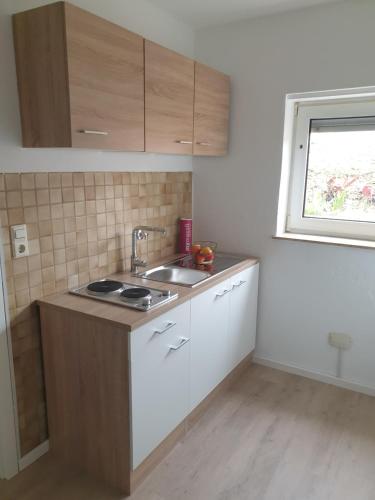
column 79, row 228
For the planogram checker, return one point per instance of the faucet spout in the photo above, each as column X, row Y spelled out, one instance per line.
column 141, row 233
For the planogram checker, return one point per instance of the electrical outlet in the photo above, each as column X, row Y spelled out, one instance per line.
column 340, row 340
column 20, row 243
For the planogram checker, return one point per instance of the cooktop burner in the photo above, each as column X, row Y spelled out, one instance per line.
column 125, row 294
column 135, row 293
column 105, row 286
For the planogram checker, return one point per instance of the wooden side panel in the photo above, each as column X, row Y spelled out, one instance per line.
column 169, row 100
column 86, row 371
column 211, row 111
column 39, row 40
column 106, row 80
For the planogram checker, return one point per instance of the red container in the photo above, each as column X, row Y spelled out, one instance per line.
column 185, row 235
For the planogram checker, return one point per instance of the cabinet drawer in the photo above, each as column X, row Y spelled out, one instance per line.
column 159, row 367
column 174, row 322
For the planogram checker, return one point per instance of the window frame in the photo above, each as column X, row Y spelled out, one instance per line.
column 300, row 109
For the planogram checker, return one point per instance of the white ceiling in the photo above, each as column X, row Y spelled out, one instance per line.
column 200, row 13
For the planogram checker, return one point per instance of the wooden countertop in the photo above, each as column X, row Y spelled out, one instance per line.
column 128, row 318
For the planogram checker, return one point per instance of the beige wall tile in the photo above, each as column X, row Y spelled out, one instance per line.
column 46, row 244
column 79, row 194
column 54, row 180
column 67, row 179
column 41, row 181
column 15, row 216
column 27, row 181
column 44, row 212
column 58, row 241
column 45, row 228
column 29, row 198
column 99, row 178
column 42, row 196
column 12, row 182
column 56, row 195
column 78, row 179
column 88, row 179
column 67, row 194
column 13, row 199
column 59, row 256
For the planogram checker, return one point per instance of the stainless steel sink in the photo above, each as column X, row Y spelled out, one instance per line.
column 185, row 272
column 175, row 274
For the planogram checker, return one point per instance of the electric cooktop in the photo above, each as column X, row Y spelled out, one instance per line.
column 125, row 294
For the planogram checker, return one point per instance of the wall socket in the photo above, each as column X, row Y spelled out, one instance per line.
column 340, row 340
column 20, row 243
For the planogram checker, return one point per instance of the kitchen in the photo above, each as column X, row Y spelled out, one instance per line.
column 81, row 195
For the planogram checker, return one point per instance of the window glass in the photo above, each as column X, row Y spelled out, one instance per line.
column 340, row 175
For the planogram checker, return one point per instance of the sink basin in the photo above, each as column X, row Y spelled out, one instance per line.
column 183, row 271
column 175, row 274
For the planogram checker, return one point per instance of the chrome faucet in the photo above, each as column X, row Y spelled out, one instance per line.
column 141, row 233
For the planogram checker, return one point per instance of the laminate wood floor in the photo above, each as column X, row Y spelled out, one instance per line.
column 271, row 436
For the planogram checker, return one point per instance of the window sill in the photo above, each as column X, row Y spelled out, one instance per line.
column 327, row 240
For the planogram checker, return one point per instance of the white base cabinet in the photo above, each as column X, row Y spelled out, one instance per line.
column 159, row 371
column 177, row 359
column 243, row 314
column 223, row 329
column 209, row 359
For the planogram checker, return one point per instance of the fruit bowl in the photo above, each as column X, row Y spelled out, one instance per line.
column 204, row 252
column 203, row 244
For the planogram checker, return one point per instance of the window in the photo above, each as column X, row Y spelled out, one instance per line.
column 328, row 175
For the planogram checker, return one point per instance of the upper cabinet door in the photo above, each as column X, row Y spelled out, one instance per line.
column 211, row 111
column 106, row 83
column 169, row 100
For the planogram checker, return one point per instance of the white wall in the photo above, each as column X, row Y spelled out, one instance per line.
column 138, row 16
column 306, row 289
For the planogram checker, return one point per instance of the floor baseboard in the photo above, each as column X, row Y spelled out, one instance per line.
column 321, row 377
column 33, row 455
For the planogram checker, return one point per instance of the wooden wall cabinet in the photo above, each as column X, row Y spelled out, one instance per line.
column 169, row 100
column 211, row 111
column 84, row 82
column 80, row 80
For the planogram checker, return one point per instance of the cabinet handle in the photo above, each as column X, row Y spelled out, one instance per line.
column 240, row 283
column 184, row 142
column 204, row 144
column 93, row 132
column 170, row 325
column 224, row 292
column 183, row 341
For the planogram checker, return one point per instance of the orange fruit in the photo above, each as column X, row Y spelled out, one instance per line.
column 195, row 248
column 206, row 251
column 199, row 258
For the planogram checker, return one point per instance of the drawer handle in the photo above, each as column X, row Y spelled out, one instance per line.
column 224, row 292
column 240, row 283
column 204, row 144
column 93, row 132
column 169, row 325
column 184, row 142
column 183, row 341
